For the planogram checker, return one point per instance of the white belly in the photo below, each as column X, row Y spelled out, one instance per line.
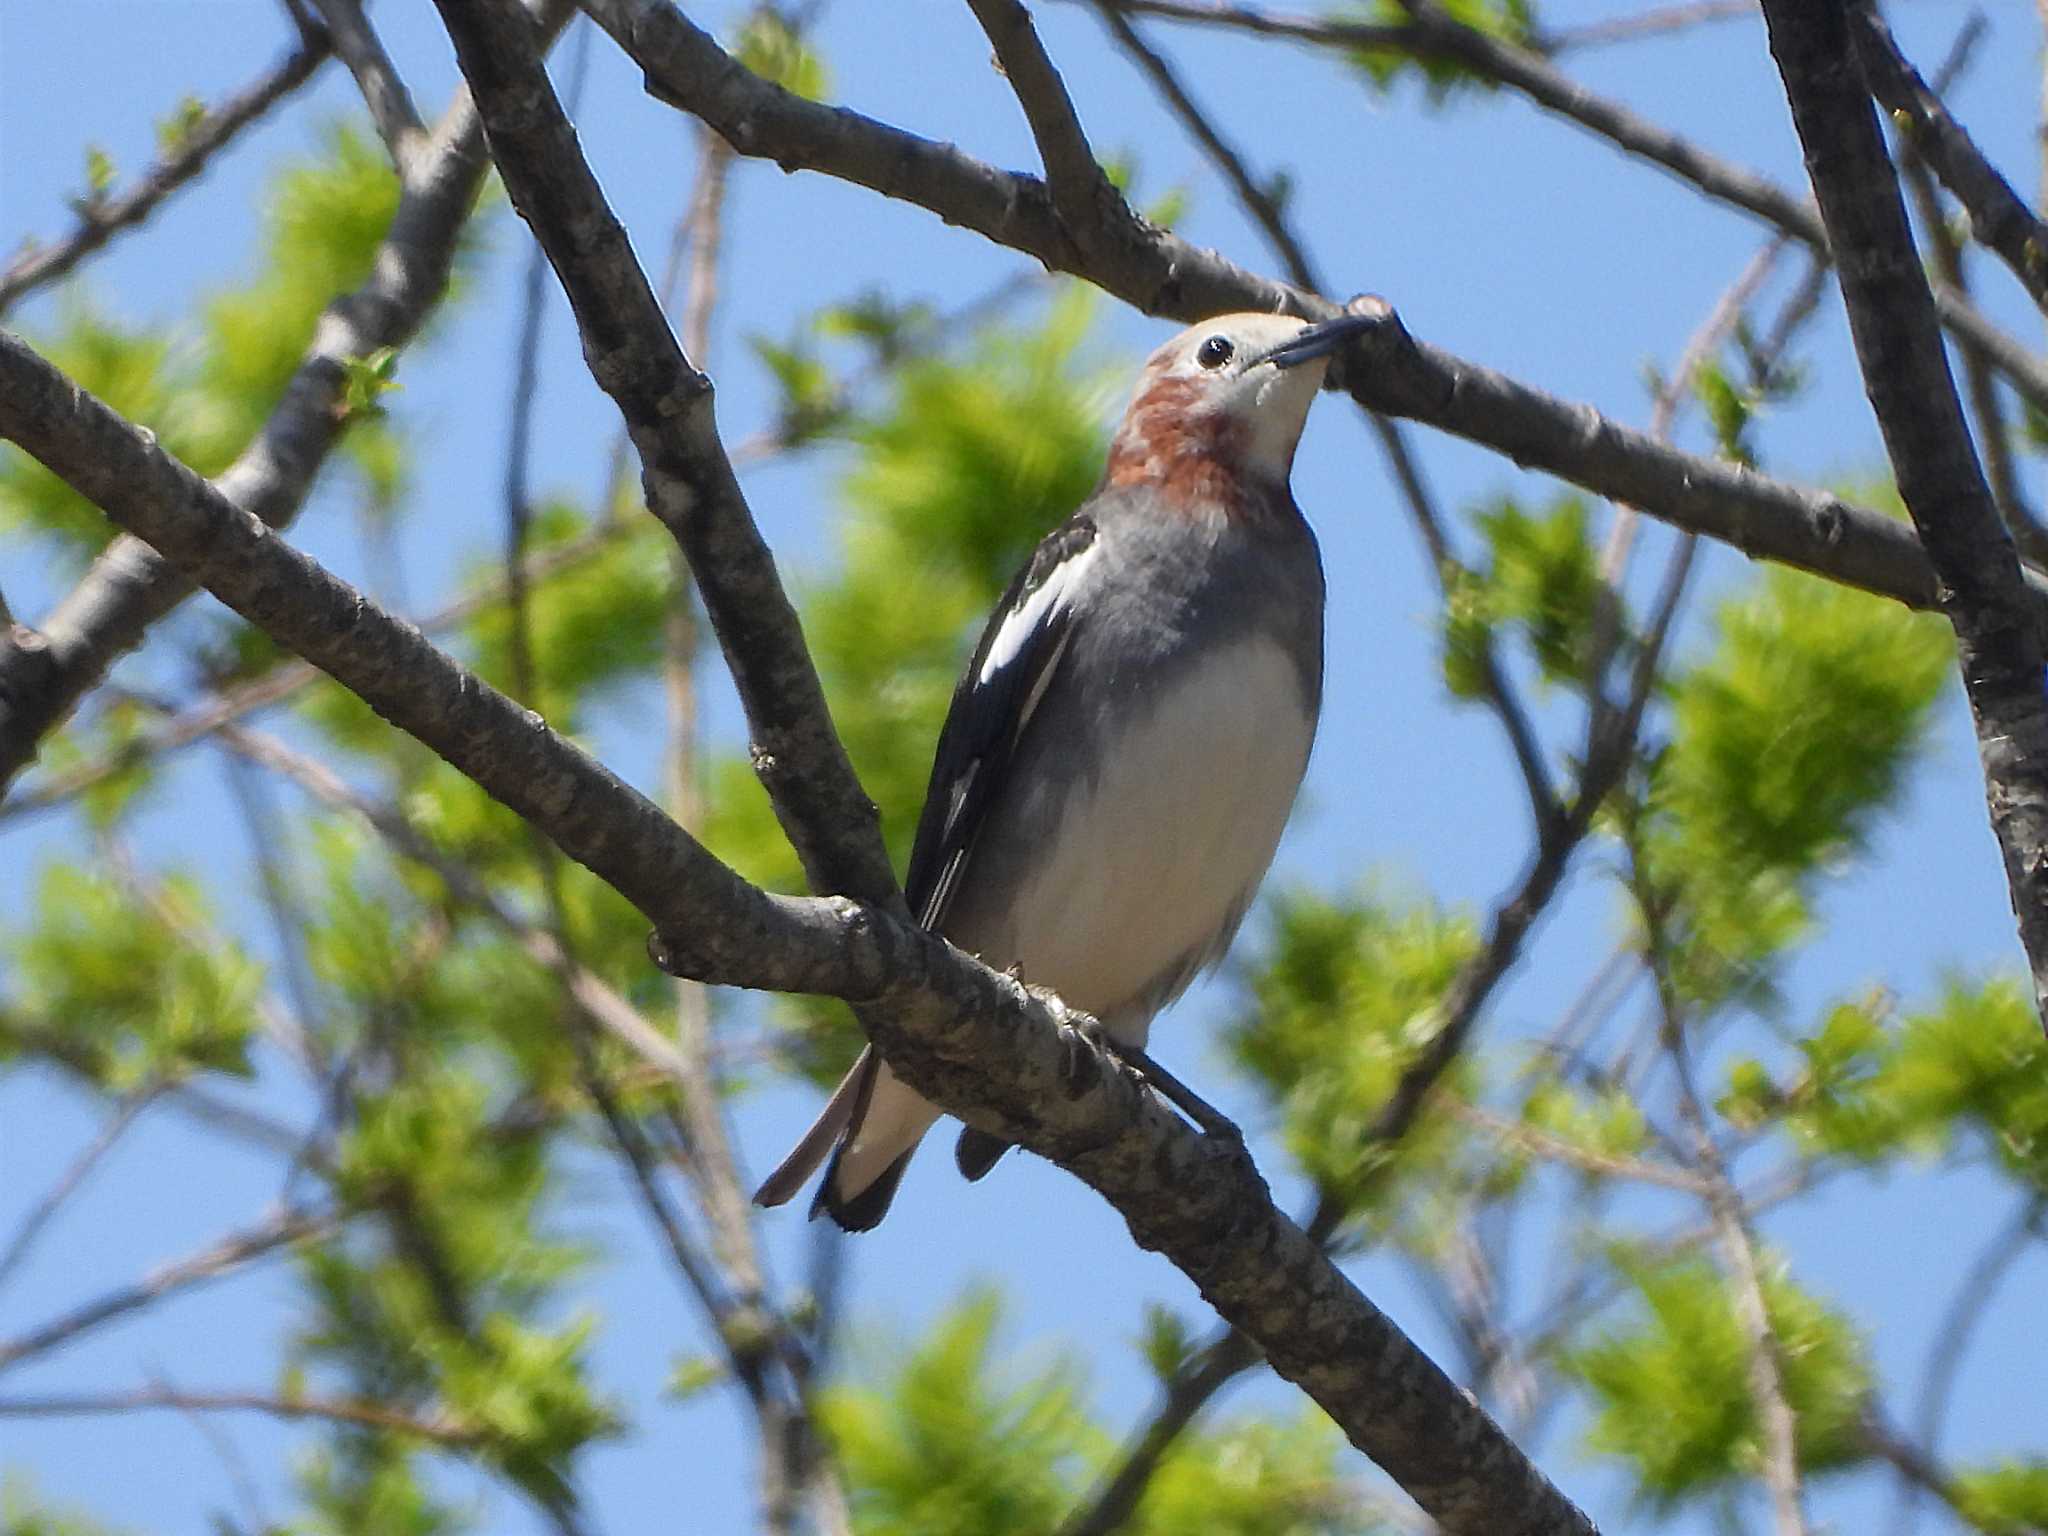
column 1151, row 863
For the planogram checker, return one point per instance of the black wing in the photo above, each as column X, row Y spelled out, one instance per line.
column 995, row 699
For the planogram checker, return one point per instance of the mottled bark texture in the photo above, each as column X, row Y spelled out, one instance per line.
column 1905, row 371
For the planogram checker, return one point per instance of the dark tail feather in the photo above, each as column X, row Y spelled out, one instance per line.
column 976, row 1152
column 865, row 1210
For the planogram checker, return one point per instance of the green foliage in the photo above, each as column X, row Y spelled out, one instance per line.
column 1788, row 740
column 1975, row 1065
column 131, row 370
column 323, row 221
column 594, row 625
column 22, row 1513
column 1729, row 409
column 1539, row 582
column 1671, row 1387
column 361, row 1483
column 2009, row 1499
column 1607, row 1124
column 1344, row 999
column 366, row 381
column 443, row 1317
column 100, row 174
column 1255, row 1478
column 950, row 1442
column 1507, row 21
column 772, row 49
column 205, row 395
column 944, row 1445
column 129, row 990
column 175, row 129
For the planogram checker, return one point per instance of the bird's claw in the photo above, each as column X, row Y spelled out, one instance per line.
column 1149, row 1074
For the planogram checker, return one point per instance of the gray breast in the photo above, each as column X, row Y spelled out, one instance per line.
column 1155, row 779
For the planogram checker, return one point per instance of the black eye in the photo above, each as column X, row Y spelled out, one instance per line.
column 1214, row 352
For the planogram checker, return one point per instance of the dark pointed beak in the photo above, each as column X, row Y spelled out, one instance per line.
column 1320, row 340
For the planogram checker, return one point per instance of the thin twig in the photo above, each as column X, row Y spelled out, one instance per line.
column 100, row 220
column 74, row 1176
column 128, row 588
column 284, row 678
column 1390, row 370
column 1081, row 189
column 1999, row 216
column 1966, row 1309
column 337, row 1410
column 290, row 1225
column 1658, row 21
column 1980, row 389
column 1266, row 211
column 686, row 473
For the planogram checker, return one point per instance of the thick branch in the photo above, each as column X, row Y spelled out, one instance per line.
column 688, row 479
column 1905, row 369
column 978, row 1043
column 1164, row 275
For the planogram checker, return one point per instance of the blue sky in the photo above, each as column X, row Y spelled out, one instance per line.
column 1501, row 234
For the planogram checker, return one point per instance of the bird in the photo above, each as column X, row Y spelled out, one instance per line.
column 1126, row 743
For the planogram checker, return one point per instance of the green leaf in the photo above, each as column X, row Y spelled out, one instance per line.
column 1343, row 998
column 2006, row 1499
column 1670, row 1386
column 1506, row 21
column 99, row 173
column 1166, row 1341
column 175, row 130
column 944, row 1442
column 1788, row 741
column 130, row 992
column 1256, row 1478
column 772, row 49
column 366, row 380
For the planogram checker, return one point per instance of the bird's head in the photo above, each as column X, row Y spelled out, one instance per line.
column 1219, row 409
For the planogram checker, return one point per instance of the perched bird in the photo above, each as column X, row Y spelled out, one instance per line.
column 1124, row 748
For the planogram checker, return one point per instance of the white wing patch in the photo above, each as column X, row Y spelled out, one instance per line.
column 1025, row 620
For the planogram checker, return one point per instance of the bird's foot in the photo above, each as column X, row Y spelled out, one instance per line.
column 1134, row 1060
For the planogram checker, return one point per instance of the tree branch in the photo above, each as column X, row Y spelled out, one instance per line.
column 1163, row 275
column 43, row 675
column 1433, row 33
column 984, row 1047
column 100, row 221
column 1081, row 193
column 1999, row 217
column 284, row 678
column 687, row 477
column 44, row 1211
column 288, row 1226
column 1905, row 370
column 335, row 1410
column 384, row 93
